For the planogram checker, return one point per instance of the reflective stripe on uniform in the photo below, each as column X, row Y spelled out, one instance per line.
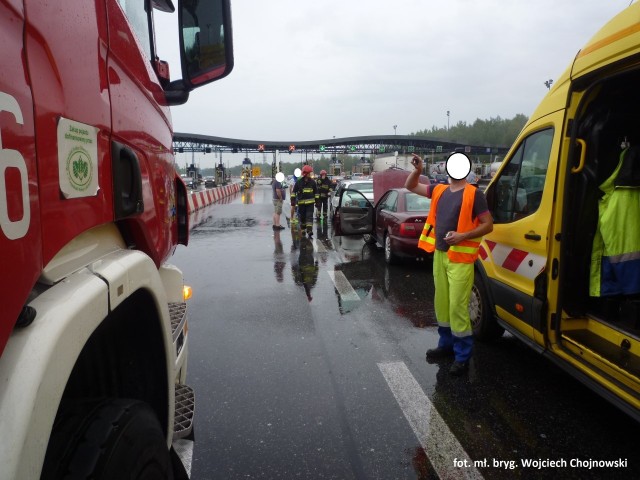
column 464, row 249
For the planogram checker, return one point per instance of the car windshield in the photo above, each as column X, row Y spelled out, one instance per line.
column 417, row 203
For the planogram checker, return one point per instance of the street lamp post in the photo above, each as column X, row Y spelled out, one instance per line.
column 394, row 129
column 548, row 83
column 448, row 112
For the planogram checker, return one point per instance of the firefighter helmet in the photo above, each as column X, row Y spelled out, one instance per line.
column 306, row 170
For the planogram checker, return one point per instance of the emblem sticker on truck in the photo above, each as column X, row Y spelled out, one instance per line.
column 77, row 159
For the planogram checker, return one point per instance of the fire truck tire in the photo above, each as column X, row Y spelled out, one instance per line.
column 107, row 439
column 485, row 327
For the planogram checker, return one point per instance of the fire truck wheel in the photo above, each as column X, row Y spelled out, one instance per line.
column 107, row 439
column 485, row 327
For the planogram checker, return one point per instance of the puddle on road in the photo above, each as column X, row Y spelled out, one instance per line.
column 210, row 224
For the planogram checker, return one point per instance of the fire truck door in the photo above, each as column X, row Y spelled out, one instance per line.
column 141, row 127
column 72, row 117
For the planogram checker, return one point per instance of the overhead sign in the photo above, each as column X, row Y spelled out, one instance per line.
column 292, row 148
column 323, row 148
column 438, row 148
column 261, row 147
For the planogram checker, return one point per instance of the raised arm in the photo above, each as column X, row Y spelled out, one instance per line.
column 413, row 180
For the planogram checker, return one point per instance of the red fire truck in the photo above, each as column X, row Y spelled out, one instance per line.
column 93, row 329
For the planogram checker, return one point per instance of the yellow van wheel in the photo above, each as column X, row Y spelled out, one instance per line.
column 483, row 322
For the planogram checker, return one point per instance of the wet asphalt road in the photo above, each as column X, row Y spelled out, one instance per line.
column 337, row 386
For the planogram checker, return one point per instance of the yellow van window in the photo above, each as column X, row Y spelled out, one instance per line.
column 518, row 190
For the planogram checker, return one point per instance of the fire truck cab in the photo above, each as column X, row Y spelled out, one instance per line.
column 93, row 326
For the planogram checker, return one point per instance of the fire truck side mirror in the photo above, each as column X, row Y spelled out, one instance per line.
column 206, row 47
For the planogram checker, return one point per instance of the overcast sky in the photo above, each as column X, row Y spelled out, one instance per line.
column 307, row 70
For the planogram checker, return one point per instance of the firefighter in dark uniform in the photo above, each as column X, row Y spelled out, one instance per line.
column 306, row 196
column 325, row 186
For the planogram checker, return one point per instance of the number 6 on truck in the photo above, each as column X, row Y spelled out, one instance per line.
column 13, row 229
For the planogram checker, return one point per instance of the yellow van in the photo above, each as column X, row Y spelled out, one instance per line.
column 561, row 269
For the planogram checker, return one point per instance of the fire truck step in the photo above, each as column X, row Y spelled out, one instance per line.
column 185, row 408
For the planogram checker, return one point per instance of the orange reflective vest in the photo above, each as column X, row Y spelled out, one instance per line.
column 465, row 251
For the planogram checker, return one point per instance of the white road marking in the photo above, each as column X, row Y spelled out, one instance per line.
column 440, row 445
column 343, row 286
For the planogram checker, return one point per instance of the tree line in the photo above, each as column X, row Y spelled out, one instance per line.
column 493, row 131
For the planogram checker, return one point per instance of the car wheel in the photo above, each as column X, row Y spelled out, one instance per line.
column 389, row 256
column 369, row 239
column 386, row 284
column 483, row 323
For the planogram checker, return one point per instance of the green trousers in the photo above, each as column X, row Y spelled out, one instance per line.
column 453, row 282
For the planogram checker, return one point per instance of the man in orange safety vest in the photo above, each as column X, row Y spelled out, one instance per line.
column 458, row 218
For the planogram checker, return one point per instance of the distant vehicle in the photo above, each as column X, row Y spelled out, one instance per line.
column 441, row 178
column 493, row 169
column 438, row 168
column 399, row 218
column 351, row 199
column 188, row 181
column 335, row 179
column 209, row 182
column 473, row 179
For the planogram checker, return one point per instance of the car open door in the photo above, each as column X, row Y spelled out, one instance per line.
column 354, row 214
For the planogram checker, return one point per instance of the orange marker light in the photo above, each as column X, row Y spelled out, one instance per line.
column 187, row 292
column 519, row 308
